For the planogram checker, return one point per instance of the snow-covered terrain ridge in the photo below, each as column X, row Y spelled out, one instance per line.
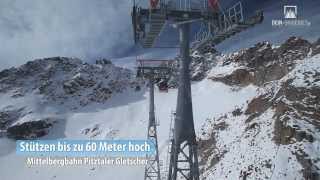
column 61, row 79
column 67, row 83
column 276, row 134
column 256, row 112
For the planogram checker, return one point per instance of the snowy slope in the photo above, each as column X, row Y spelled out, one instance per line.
column 276, row 134
column 240, row 148
column 231, row 146
column 124, row 116
column 129, row 122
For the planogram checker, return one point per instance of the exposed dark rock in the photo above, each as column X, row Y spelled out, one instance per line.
column 5, row 73
column 237, row 112
column 29, row 130
column 74, row 85
column 258, row 105
column 309, row 171
column 200, row 66
column 101, row 95
column 70, row 87
column 208, row 147
column 316, row 47
column 93, row 131
column 221, row 126
column 241, row 77
column 256, row 56
column 103, row 61
column 7, row 117
column 289, row 102
column 43, row 88
column 263, row 64
column 294, row 48
column 207, row 49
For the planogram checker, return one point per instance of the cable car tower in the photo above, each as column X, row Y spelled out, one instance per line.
column 219, row 24
column 154, row 71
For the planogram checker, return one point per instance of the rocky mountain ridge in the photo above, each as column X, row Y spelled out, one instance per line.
column 59, row 81
column 280, row 125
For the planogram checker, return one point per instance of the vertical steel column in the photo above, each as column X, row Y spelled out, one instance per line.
column 152, row 118
column 184, row 157
column 184, row 125
column 152, row 171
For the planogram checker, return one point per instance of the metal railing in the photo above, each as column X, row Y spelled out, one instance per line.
column 200, row 5
column 186, row 5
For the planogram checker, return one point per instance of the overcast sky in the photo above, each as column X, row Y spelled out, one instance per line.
column 91, row 29
column 87, row 29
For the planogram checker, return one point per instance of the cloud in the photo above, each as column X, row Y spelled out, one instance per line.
column 87, row 29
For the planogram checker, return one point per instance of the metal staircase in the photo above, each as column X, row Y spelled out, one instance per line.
column 230, row 22
column 236, row 28
column 157, row 21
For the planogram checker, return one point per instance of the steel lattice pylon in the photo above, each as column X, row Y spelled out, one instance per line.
column 152, row 170
column 153, row 70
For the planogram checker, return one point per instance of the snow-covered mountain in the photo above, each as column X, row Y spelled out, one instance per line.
column 275, row 135
column 63, row 83
column 256, row 112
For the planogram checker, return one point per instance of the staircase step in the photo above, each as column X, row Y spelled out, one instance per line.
column 155, row 27
column 157, row 22
column 154, row 31
column 155, row 15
